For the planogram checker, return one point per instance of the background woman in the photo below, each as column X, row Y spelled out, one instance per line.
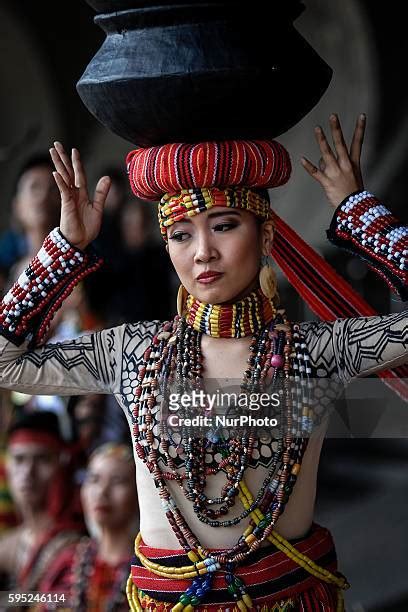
column 93, row 573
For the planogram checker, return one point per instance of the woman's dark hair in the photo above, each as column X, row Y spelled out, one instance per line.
column 72, row 403
column 264, row 193
column 37, row 160
column 41, row 420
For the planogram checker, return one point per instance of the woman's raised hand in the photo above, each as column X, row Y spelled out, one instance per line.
column 339, row 171
column 81, row 217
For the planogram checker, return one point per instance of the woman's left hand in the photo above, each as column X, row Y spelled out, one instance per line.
column 339, row 172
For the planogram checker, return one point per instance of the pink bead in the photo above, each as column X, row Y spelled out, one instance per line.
column 277, row 361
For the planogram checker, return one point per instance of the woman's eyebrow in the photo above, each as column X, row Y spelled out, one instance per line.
column 222, row 213
column 213, row 215
column 186, row 220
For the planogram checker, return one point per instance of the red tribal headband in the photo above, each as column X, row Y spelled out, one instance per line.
column 191, row 178
column 27, row 436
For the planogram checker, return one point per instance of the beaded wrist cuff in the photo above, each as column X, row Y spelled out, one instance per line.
column 29, row 306
column 366, row 228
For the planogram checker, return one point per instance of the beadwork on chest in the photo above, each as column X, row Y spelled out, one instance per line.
column 169, row 359
column 173, row 449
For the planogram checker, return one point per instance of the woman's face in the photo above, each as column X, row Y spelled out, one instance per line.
column 88, row 415
column 37, row 201
column 30, row 469
column 228, row 243
column 109, row 493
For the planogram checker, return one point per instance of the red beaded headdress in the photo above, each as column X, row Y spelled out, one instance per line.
column 191, row 178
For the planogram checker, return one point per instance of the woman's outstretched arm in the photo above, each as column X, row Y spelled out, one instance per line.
column 87, row 364
column 359, row 346
column 361, row 224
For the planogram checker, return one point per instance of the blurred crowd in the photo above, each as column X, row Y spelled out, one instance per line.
column 68, row 502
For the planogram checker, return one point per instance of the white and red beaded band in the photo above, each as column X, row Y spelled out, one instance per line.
column 28, row 307
column 364, row 226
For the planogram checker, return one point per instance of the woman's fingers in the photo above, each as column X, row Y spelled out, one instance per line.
column 338, row 139
column 101, row 192
column 324, row 146
column 79, row 173
column 65, row 191
column 339, row 176
column 357, row 141
column 59, row 166
column 313, row 170
column 65, row 167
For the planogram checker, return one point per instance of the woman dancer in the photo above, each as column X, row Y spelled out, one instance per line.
column 217, row 513
column 93, row 573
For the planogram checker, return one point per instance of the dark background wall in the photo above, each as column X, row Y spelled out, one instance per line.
column 62, row 40
column 65, row 39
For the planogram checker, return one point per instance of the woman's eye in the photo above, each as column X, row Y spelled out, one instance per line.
column 223, row 227
column 178, row 237
column 118, row 481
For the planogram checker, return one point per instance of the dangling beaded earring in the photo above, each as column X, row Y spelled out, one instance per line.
column 267, row 278
column 181, row 298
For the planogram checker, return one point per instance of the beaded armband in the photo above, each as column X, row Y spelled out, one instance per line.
column 29, row 306
column 366, row 228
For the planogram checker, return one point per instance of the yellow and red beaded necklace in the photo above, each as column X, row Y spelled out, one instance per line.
column 242, row 318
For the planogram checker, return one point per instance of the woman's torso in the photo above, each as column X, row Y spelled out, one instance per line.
column 294, row 522
column 223, row 361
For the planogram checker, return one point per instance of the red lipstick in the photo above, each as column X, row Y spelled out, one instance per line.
column 209, row 276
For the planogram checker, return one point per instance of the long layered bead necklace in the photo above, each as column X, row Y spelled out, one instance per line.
column 174, row 361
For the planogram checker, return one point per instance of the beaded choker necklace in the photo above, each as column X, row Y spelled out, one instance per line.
column 243, row 318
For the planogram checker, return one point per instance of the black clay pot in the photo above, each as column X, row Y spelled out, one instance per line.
column 193, row 71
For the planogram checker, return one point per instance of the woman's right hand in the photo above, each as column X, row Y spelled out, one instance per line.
column 81, row 217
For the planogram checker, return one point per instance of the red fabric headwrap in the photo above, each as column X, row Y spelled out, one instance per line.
column 230, row 163
column 24, row 436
